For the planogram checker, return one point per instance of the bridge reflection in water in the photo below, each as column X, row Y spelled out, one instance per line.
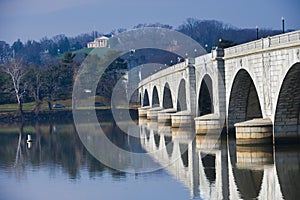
column 217, row 168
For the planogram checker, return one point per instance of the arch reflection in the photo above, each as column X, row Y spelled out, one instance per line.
column 215, row 168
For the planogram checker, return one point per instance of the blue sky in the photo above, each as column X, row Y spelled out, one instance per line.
column 34, row 19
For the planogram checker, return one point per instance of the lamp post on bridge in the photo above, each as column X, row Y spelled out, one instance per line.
column 195, row 52
column 256, row 32
column 220, row 43
column 282, row 21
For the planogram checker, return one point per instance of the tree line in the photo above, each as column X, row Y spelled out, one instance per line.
column 39, row 52
column 21, row 82
column 45, row 70
column 206, row 32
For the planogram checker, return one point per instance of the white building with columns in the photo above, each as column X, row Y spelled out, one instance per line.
column 99, row 42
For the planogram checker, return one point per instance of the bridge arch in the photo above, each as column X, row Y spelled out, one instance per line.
column 140, row 100
column 244, row 103
column 287, row 114
column 167, row 97
column 181, row 96
column 205, row 97
column 146, row 99
column 155, row 97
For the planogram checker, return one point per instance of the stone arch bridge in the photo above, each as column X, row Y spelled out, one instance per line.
column 253, row 87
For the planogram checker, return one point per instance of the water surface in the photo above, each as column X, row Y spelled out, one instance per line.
column 56, row 165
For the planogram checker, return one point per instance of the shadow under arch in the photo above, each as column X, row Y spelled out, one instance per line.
column 167, row 97
column 243, row 102
column 248, row 182
column 288, row 170
column 205, row 98
column 140, row 100
column 147, row 131
column 169, row 145
column 156, row 139
column 184, row 154
column 209, row 164
column 146, row 99
column 287, row 114
column 181, row 96
column 155, row 98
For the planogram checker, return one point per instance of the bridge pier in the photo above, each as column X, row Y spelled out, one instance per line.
column 152, row 113
column 152, row 125
column 254, row 157
column 207, row 122
column 164, row 116
column 142, row 121
column 164, row 129
column 143, row 111
column 181, row 119
column 183, row 134
column 203, row 142
column 255, row 131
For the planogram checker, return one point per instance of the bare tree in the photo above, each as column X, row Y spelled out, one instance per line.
column 16, row 71
column 51, row 81
column 34, row 83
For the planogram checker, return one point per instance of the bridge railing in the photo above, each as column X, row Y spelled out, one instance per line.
column 205, row 58
column 165, row 72
column 264, row 43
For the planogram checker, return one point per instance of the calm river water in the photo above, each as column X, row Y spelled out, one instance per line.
column 56, row 165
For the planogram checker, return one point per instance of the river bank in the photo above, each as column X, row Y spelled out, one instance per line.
column 63, row 115
column 28, row 117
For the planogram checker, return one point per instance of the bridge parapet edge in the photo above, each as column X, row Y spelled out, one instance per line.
column 264, row 43
column 170, row 70
column 203, row 59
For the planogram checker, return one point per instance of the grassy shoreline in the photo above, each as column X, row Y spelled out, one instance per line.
column 14, row 117
column 58, row 115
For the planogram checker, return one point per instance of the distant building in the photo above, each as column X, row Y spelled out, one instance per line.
column 99, row 42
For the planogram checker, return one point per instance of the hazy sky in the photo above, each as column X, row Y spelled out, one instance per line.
column 34, row 19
